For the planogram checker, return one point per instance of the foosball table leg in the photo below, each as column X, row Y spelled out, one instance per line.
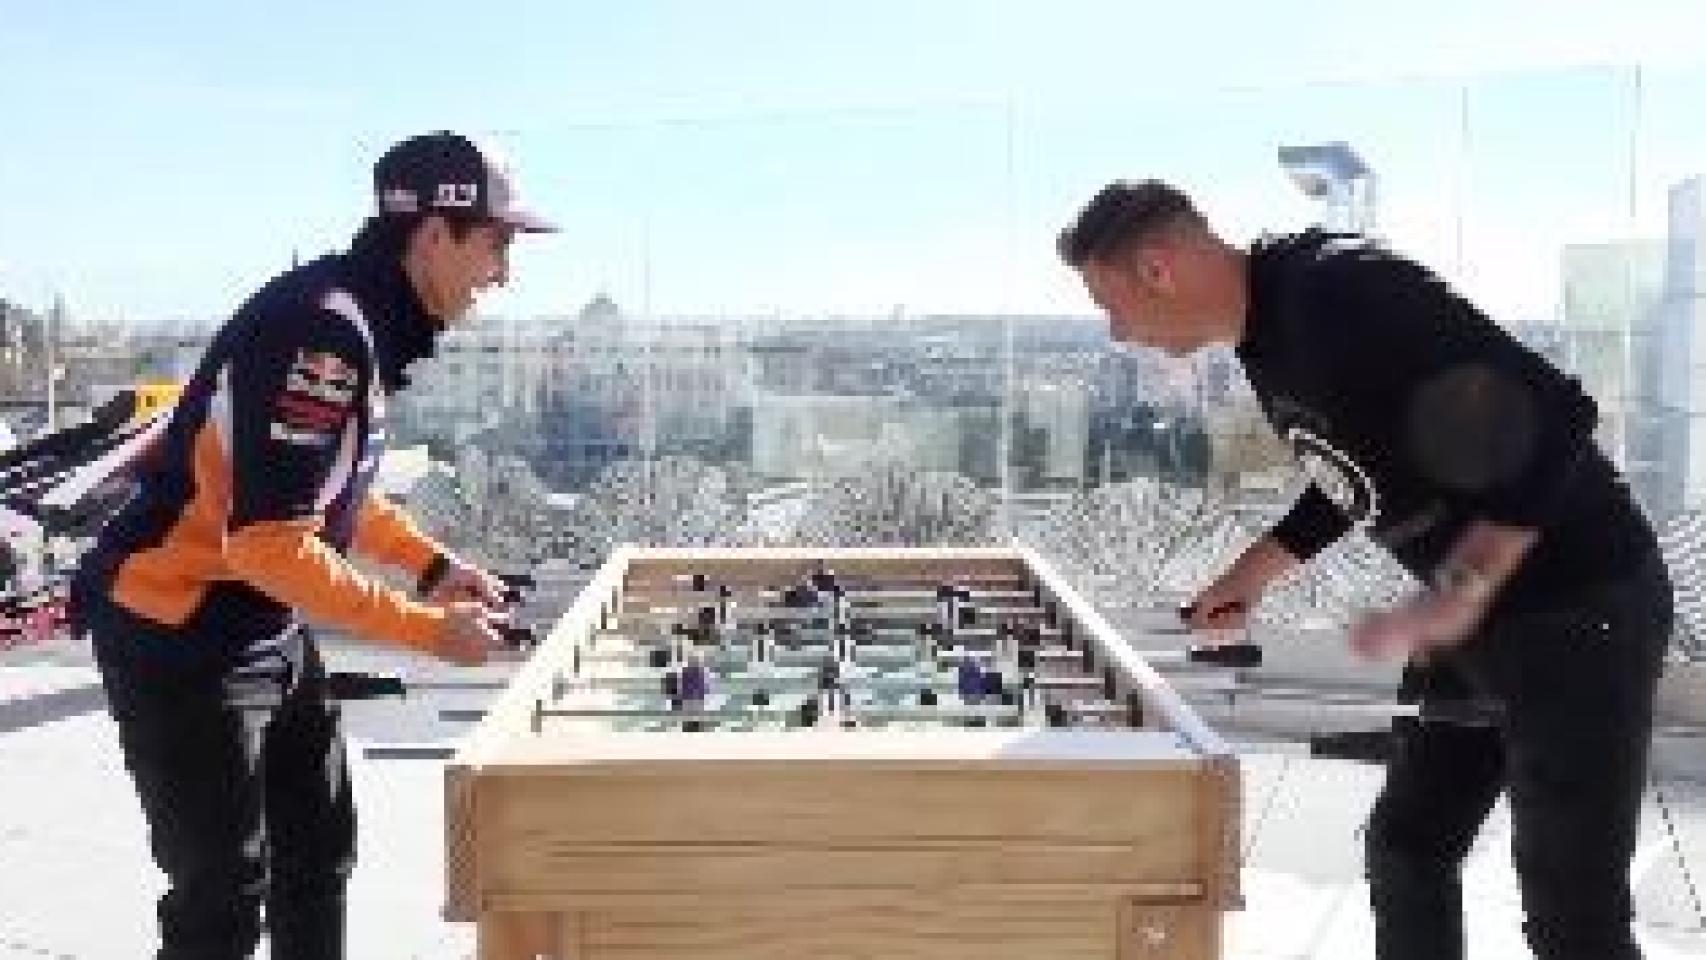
column 527, row 936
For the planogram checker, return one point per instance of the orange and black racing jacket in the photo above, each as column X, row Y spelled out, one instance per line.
column 258, row 486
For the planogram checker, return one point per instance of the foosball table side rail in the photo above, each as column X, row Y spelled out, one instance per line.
column 1222, row 782
column 508, row 717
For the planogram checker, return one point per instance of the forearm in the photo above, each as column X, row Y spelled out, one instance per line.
column 287, row 561
column 1264, row 561
column 385, row 533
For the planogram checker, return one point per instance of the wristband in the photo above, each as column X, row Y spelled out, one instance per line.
column 1464, row 581
column 435, row 570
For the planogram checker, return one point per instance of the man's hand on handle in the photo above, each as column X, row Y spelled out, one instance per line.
column 1226, row 603
column 470, row 634
column 463, row 582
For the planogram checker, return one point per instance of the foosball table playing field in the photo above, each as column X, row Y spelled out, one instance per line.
column 859, row 753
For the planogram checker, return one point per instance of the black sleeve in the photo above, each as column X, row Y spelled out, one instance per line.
column 1312, row 524
column 292, row 390
column 1471, row 411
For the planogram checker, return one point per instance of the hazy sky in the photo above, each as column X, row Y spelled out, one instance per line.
column 163, row 158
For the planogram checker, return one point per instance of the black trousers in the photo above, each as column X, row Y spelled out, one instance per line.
column 1576, row 685
column 239, row 763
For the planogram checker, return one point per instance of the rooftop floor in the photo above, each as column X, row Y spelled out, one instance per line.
column 72, row 848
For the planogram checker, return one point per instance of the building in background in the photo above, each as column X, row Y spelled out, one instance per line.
column 1608, row 336
column 1057, row 415
column 573, row 395
column 1676, row 444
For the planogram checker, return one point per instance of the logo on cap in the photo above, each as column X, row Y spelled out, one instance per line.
column 457, row 195
column 399, row 200
column 446, row 171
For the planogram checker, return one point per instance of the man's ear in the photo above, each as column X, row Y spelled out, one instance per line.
column 1154, row 267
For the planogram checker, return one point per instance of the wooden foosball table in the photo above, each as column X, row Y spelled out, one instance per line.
column 874, row 753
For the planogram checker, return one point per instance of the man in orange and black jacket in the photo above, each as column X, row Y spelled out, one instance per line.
column 245, row 508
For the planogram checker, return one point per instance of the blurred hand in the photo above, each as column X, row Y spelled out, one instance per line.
column 468, row 636
column 1433, row 621
column 465, row 583
column 1226, row 603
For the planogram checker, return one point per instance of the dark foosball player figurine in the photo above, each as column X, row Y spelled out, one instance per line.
column 1473, row 462
column 726, row 622
column 693, row 688
column 968, row 681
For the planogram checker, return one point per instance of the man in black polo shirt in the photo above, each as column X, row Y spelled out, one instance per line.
column 1472, row 461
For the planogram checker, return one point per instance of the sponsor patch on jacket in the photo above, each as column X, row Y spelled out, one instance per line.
column 322, row 375
column 316, row 400
column 284, row 433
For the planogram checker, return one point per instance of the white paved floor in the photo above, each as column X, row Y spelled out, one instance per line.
column 75, row 880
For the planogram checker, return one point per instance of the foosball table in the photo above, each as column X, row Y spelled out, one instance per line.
column 859, row 753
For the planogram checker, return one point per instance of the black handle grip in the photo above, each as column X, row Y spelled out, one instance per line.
column 1234, row 655
column 363, row 686
column 1363, row 746
column 516, row 638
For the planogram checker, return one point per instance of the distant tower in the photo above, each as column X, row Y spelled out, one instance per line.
column 1335, row 175
column 50, row 344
